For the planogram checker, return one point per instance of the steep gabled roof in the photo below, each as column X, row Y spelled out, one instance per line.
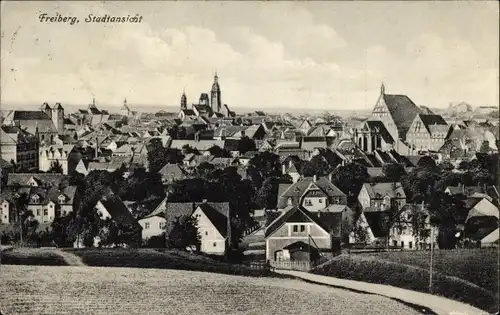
column 380, row 190
column 402, row 110
column 118, row 210
column 218, row 214
column 378, row 126
column 287, row 214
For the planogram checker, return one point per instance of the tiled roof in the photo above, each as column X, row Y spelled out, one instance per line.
column 118, row 210
column 402, row 110
column 181, row 210
column 379, row 127
column 298, row 189
column 288, row 214
column 380, row 190
column 483, row 208
column 51, row 179
column 379, row 222
column 218, row 214
column 30, row 115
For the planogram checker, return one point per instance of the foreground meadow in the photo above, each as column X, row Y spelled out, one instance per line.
column 58, row 290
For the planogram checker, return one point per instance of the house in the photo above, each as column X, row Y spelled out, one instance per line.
column 65, row 155
column 45, row 202
column 427, row 133
column 490, row 240
column 154, row 223
column 176, row 211
column 299, row 235
column 382, row 196
column 36, row 179
column 19, row 146
column 110, row 206
column 214, row 226
column 471, row 191
column 291, row 169
column 403, row 232
column 312, row 193
column 171, row 172
column 481, row 220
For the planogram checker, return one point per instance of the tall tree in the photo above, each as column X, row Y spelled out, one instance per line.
column 246, row 144
column 393, row 172
column 185, row 233
column 349, row 179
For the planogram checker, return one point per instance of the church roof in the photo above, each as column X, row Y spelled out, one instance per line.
column 402, row 110
column 58, row 106
column 30, row 115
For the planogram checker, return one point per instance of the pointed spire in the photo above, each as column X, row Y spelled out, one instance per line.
column 93, row 101
column 125, row 102
column 382, row 89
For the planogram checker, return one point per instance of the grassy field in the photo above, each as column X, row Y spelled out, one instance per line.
column 97, row 290
column 401, row 269
column 478, row 266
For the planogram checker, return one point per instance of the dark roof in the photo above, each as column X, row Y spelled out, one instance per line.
column 181, row 210
column 379, row 222
column 379, row 126
column 188, row 112
column 30, row 115
column 402, row 110
column 51, row 179
column 433, row 119
column 118, row 210
column 291, row 213
column 218, row 214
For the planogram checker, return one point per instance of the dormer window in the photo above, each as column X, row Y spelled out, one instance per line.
column 35, row 199
column 61, row 198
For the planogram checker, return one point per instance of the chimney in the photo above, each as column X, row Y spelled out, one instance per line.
column 194, row 206
column 283, row 168
column 204, row 201
column 315, row 178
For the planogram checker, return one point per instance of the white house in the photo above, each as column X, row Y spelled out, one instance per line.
column 213, row 226
column 154, row 224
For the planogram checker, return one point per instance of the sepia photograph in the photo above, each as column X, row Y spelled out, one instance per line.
column 249, row 157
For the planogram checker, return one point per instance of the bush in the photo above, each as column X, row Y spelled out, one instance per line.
column 31, row 257
column 161, row 259
column 359, row 268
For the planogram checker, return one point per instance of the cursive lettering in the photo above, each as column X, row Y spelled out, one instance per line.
column 113, row 19
column 58, row 18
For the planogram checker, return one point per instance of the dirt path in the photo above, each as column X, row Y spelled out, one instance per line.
column 437, row 304
column 69, row 258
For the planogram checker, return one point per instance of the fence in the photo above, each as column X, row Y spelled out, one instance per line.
column 292, row 265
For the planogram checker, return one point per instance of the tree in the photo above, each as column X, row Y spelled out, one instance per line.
column 446, row 166
column 56, row 167
column 187, row 149
column 158, row 155
column 393, row 171
column 316, row 166
column 349, row 179
column 245, row 145
column 485, row 147
column 184, row 234
column 426, row 162
column 360, row 233
column 217, row 151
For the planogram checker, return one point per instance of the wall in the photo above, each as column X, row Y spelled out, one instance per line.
column 364, row 198
column 156, row 226
column 315, row 203
column 212, row 242
column 4, row 213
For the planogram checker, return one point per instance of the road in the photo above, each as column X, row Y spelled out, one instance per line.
column 437, row 304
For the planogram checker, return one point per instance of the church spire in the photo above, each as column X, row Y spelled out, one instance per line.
column 382, row 89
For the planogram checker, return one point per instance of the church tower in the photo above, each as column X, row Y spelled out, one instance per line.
column 58, row 117
column 215, row 99
column 183, row 101
column 46, row 109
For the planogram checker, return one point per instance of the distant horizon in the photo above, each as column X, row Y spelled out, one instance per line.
column 322, row 55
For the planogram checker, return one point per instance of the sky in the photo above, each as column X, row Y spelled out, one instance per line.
column 312, row 55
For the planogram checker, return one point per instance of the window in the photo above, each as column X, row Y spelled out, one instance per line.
column 302, row 228
column 402, row 244
column 320, row 200
column 394, row 243
column 215, row 244
column 146, row 225
column 295, row 228
column 307, row 202
column 35, row 199
column 38, row 212
column 206, row 232
column 410, row 244
column 162, row 225
column 45, row 212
